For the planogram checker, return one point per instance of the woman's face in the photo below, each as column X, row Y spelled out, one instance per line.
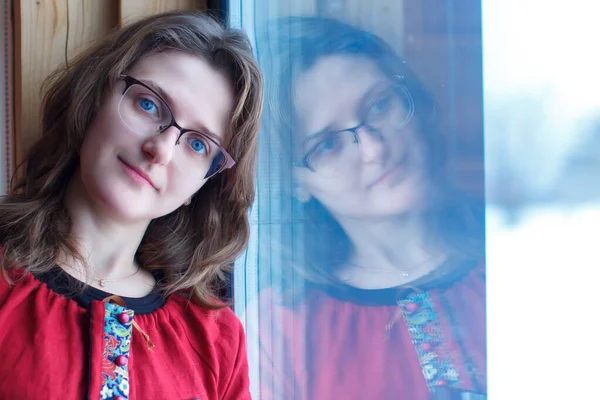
column 376, row 173
column 140, row 177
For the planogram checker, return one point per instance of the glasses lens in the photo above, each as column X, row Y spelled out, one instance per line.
column 391, row 109
column 143, row 111
column 334, row 153
column 202, row 153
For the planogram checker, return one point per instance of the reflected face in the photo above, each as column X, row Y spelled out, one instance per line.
column 140, row 175
column 375, row 170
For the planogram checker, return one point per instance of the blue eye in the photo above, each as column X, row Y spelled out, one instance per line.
column 381, row 105
column 329, row 144
column 198, row 146
column 148, row 105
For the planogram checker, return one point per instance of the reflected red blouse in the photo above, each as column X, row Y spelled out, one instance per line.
column 390, row 344
column 56, row 345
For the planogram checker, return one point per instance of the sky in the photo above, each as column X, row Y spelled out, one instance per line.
column 540, row 44
column 542, row 78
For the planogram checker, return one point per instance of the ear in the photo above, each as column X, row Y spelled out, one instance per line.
column 301, row 194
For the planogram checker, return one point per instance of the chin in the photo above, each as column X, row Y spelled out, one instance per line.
column 401, row 201
column 375, row 210
column 388, row 213
column 121, row 204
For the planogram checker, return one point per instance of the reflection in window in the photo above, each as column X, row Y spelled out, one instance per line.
column 542, row 201
column 369, row 243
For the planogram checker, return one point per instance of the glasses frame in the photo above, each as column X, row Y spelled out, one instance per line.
column 303, row 163
column 130, row 81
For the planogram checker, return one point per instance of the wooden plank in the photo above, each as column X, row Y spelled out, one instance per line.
column 17, row 85
column 131, row 10
column 6, row 101
column 41, row 38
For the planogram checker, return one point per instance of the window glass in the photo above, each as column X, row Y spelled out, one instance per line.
column 426, row 194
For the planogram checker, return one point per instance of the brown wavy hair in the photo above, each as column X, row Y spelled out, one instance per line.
column 193, row 247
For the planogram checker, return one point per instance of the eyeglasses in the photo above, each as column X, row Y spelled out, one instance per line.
column 145, row 112
column 383, row 116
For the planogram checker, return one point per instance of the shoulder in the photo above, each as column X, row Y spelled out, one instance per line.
column 475, row 276
column 217, row 337
column 221, row 327
column 15, row 281
column 469, row 286
column 21, row 293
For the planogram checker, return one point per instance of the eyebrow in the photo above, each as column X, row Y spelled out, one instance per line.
column 169, row 100
column 316, row 135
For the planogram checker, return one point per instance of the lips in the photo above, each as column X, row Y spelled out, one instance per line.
column 139, row 172
column 391, row 174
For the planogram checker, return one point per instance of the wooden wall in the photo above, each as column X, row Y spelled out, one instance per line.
column 6, row 101
column 46, row 32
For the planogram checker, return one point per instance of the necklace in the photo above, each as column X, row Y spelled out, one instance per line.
column 414, row 270
column 102, row 282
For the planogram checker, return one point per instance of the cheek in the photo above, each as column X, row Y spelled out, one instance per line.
column 105, row 129
column 92, row 148
column 108, row 134
column 181, row 185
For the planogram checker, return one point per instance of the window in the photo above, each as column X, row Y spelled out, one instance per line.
column 435, row 255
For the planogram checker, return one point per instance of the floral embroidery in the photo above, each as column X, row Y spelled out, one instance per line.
column 117, row 342
column 427, row 337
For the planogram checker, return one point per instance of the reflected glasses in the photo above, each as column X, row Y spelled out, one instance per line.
column 383, row 116
column 145, row 112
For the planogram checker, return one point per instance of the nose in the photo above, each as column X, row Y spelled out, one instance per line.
column 160, row 147
column 372, row 146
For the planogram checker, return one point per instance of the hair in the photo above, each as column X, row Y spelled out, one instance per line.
column 295, row 45
column 193, row 247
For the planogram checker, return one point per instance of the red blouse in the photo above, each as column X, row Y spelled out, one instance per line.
column 60, row 345
column 390, row 344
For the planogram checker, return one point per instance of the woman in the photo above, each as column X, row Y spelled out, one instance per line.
column 391, row 304
column 131, row 207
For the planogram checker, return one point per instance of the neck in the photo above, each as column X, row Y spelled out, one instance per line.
column 389, row 252
column 107, row 244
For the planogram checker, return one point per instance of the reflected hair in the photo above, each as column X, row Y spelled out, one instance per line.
column 191, row 248
column 292, row 45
